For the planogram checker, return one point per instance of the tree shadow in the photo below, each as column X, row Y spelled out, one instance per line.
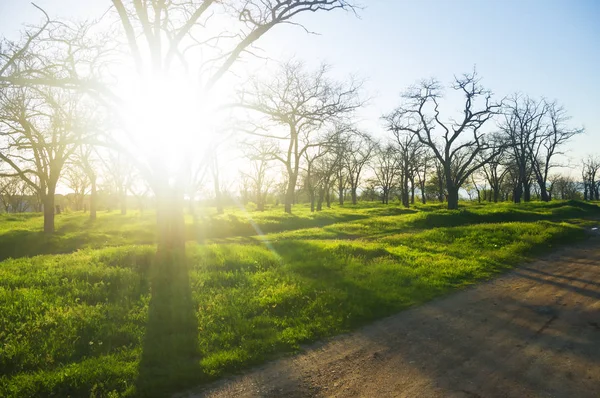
column 232, row 226
column 170, row 357
column 25, row 243
column 486, row 341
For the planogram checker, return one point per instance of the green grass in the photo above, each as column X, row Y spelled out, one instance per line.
column 79, row 317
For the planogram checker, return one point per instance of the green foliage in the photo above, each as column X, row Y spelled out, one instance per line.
column 78, row 315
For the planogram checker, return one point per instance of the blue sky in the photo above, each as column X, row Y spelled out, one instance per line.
column 545, row 48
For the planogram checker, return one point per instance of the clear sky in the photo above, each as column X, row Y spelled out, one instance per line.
column 547, row 48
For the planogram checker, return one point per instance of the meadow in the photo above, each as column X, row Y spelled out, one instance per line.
column 80, row 316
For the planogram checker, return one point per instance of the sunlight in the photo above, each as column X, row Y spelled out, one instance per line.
column 169, row 120
column 191, row 188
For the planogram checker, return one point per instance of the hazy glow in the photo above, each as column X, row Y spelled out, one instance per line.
column 169, row 120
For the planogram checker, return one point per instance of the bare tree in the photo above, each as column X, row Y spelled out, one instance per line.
column 77, row 180
column 16, row 195
column 563, row 187
column 86, row 158
column 386, row 167
column 39, row 131
column 461, row 141
column 589, row 173
column 328, row 166
column 59, row 54
column 546, row 144
column 12, row 53
column 359, row 152
column 260, row 154
column 160, row 37
column 44, row 76
column 495, row 174
column 535, row 131
column 301, row 104
column 523, row 121
column 311, row 176
column 410, row 153
column 423, row 165
column 119, row 175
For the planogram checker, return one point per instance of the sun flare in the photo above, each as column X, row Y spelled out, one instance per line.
column 169, row 120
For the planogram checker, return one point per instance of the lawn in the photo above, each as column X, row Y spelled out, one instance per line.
column 79, row 317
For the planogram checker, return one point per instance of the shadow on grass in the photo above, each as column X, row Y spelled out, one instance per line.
column 228, row 226
column 73, row 234
column 465, row 216
column 25, row 243
column 170, row 349
column 76, row 233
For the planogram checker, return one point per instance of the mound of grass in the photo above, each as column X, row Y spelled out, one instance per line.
column 93, row 322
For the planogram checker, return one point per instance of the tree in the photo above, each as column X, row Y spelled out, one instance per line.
column 167, row 41
column 157, row 34
column 311, row 176
column 495, row 174
column 360, row 150
column 302, row 104
column 386, row 167
column 16, row 196
column 548, row 143
column 535, row 131
column 327, row 167
column 260, row 155
column 44, row 78
column 86, row 159
column 410, row 153
column 563, row 187
column 119, row 176
column 40, row 130
column 457, row 153
column 423, row 165
column 589, row 172
column 79, row 183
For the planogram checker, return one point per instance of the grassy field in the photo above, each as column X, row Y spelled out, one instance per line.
column 77, row 317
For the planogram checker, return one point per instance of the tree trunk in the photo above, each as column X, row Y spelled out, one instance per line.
column 452, row 197
column 328, row 198
column 289, row 194
column 320, row 199
column 544, row 195
column 518, row 192
column 527, row 192
column 49, row 212
column 341, row 195
column 354, row 195
column 405, row 194
column 93, row 199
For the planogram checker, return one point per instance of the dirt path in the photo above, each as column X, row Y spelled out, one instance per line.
column 534, row 332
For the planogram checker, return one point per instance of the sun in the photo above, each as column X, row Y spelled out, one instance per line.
column 169, row 120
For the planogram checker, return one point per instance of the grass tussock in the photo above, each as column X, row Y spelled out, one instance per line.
column 86, row 312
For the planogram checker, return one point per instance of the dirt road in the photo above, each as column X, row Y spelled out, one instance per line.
column 534, row 332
